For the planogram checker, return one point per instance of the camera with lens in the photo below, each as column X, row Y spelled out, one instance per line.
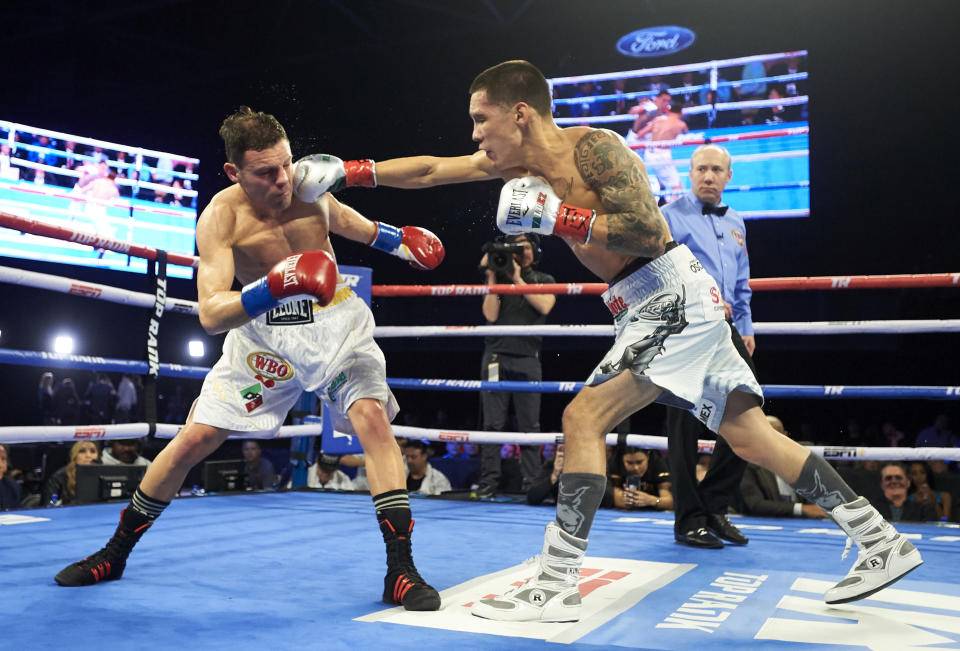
column 500, row 256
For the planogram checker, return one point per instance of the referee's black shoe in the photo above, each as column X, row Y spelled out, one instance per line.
column 720, row 526
column 698, row 537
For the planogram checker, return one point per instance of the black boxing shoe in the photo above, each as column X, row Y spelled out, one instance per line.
column 403, row 585
column 700, row 538
column 720, row 526
column 108, row 563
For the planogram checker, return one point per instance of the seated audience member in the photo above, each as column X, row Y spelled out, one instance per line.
column 891, row 434
column 421, row 476
column 938, row 435
column 10, row 491
column 548, row 482
column 766, row 494
column 124, row 452
column 923, row 490
column 895, row 505
column 703, row 465
column 326, row 473
column 638, row 479
column 61, row 487
column 258, row 472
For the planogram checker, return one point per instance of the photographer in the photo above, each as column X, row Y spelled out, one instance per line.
column 512, row 358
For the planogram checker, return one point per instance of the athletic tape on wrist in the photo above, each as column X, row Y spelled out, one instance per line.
column 388, row 238
column 256, row 297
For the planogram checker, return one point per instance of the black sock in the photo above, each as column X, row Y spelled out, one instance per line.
column 819, row 483
column 578, row 500
column 143, row 505
column 393, row 512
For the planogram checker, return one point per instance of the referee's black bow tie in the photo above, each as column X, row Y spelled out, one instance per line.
column 715, row 210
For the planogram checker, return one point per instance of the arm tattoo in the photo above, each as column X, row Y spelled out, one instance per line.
column 633, row 220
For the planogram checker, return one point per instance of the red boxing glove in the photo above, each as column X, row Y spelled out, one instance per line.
column 311, row 273
column 418, row 246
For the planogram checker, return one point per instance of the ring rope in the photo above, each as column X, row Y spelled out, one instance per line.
column 87, row 362
column 688, row 110
column 686, row 67
column 313, row 427
column 35, row 227
column 679, row 90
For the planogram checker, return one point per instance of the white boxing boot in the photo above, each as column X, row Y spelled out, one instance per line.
column 552, row 594
column 885, row 555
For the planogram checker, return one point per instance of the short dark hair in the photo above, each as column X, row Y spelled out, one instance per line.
column 246, row 129
column 665, row 92
column 416, row 444
column 514, row 81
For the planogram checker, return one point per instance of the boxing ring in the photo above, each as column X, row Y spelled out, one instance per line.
column 303, row 568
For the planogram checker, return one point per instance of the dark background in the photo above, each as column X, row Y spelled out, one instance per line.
column 390, row 78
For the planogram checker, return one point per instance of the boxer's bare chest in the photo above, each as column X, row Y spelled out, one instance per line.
column 261, row 243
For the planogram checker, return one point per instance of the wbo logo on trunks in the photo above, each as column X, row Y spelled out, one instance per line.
column 269, row 368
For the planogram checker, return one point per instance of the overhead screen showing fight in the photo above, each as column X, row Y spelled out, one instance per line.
column 119, row 192
column 755, row 106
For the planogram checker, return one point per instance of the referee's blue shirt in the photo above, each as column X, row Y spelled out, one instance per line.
column 720, row 243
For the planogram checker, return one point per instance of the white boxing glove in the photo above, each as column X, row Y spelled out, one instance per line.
column 529, row 205
column 318, row 174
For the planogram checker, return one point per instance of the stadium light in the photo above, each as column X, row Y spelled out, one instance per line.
column 195, row 347
column 63, row 344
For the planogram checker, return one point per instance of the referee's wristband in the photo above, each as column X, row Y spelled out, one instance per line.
column 798, row 510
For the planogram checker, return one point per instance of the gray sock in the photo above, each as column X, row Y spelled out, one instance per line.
column 578, row 500
column 819, row 483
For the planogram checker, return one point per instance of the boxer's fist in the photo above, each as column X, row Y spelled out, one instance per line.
column 418, row 246
column 529, row 205
column 321, row 173
column 311, row 273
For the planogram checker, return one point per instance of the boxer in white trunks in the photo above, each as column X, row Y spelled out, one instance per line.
column 585, row 186
column 294, row 327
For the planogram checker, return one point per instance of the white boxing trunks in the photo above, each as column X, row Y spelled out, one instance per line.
column 659, row 163
column 299, row 346
column 671, row 332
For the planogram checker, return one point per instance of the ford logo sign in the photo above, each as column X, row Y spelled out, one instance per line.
column 656, row 41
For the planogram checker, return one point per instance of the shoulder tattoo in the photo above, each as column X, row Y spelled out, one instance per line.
column 634, row 223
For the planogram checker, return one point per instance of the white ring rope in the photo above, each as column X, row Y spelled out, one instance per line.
column 688, row 110
column 65, row 433
column 128, row 297
column 686, row 67
column 119, row 180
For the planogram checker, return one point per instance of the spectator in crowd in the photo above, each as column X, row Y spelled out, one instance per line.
column 896, row 505
column 326, row 473
column 923, row 490
column 716, row 235
column 512, row 358
column 703, row 465
column 7, row 170
column 124, row 452
column 638, row 480
column 126, row 399
column 61, row 487
column 789, row 66
column 100, row 397
column 48, row 155
column 421, row 476
column 548, row 483
column 10, row 491
column 511, row 477
column 938, row 435
column 70, row 160
column 656, row 84
column 258, row 473
column 891, row 434
column 589, row 106
column 620, row 104
column 45, row 392
column 178, row 406
column 765, row 494
column 688, row 97
column 66, row 403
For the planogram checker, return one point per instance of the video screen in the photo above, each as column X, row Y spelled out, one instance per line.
column 121, row 192
column 755, row 106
